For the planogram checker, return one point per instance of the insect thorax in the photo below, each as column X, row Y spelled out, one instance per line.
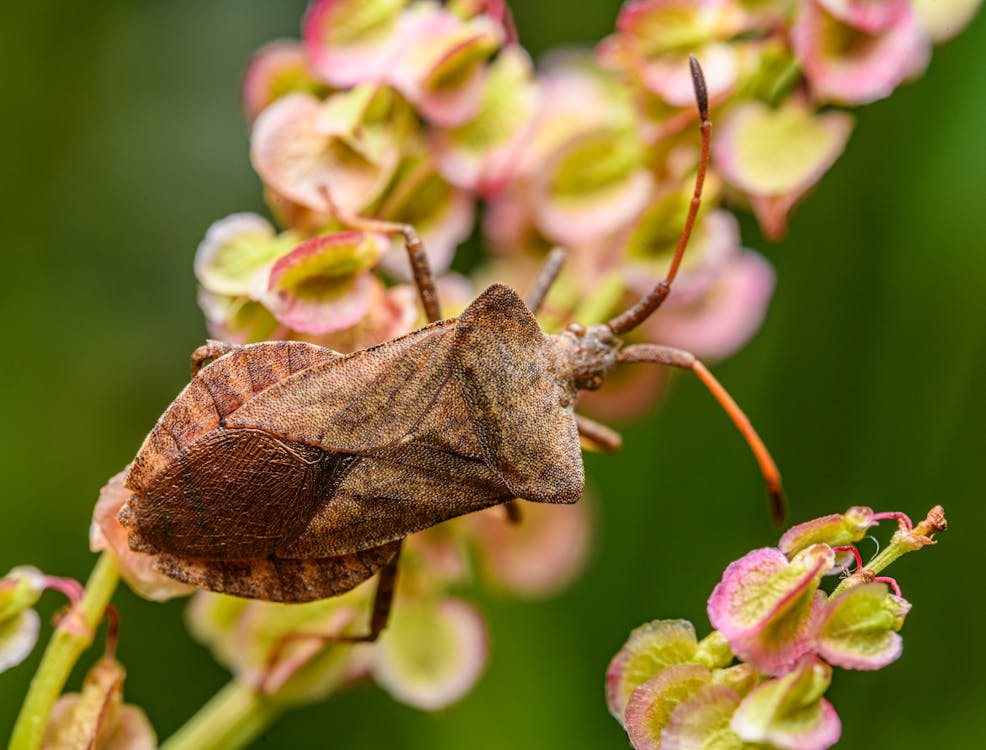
column 591, row 353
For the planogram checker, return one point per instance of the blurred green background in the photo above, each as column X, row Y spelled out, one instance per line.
column 122, row 140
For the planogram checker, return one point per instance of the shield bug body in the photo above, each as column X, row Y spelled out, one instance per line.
column 289, row 472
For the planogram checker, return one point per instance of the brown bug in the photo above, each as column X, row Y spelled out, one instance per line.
column 289, row 472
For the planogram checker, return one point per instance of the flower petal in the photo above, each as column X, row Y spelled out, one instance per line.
column 430, row 656
column 651, row 704
column 538, row 556
column 867, row 15
column 592, row 186
column 848, row 66
column 789, row 712
column 701, row 722
column 238, row 320
column 97, row 718
column 651, row 648
column 441, row 68
column 719, row 322
column 322, row 285
column 300, row 147
column 352, row 41
column 483, row 153
column 106, row 533
column 858, row 628
column 237, row 253
column 441, row 214
column 772, row 152
column 768, row 608
column 275, row 70
column 835, row 530
column 18, row 634
column 943, row 19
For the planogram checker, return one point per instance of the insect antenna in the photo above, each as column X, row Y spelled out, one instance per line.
column 633, row 317
column 666, row 355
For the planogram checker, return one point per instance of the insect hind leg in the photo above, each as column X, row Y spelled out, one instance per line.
column 383, row 602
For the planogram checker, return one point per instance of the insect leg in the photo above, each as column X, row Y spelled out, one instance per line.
column 545, row 278
column 420, row 268
column 600, row 437
column 209, row 351
column 666, row 355
column 514, row 514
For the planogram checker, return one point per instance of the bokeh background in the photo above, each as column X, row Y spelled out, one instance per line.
column 121, row 140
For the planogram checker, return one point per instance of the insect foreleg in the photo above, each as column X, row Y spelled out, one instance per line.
column 666, row 355
column 209, row 351
column 513, row 511
column 600, row 437
column 420, row 268
column 545, row 278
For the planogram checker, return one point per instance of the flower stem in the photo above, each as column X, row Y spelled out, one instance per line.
column 235, row 717
column 904, row 540
column 73, row 635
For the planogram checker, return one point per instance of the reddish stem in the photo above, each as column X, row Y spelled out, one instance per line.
column 68, row 586
column 112, row 630
column 855, row 553
column 891, row 583
column 901, row 518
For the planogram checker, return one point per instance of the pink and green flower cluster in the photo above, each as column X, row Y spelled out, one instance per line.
column 759, row 679
column 424, row 113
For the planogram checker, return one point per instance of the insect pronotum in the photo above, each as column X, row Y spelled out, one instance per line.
column 290, row 472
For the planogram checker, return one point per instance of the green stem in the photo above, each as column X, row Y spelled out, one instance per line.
column 73, row 636
column 235, row 717
column 903, row 541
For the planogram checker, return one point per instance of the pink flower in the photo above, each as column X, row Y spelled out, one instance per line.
column 847, row 65
column 275, row 70
column 768, row 608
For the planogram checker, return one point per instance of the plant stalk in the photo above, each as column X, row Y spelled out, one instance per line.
column 236, row 716
column 72, row 636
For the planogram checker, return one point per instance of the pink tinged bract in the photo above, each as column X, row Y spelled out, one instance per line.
column 442, row 65
column 96, row 718
column 541, row 554
column 236, row 319
column 768, row 608
column 442, row 214
column 302, row 147
column 858, row 628
column 835, row 530
column 137, row 569
column 431, row 653
column 652, row 703
column 591, row 187
column 349, row 42
column 723, row 319
column 776, row 155
column 323, row 285
column 237, row 253
column 651, row 648
column 849, row 66
column 669, row 76
column 485, row 152
column 701, row 722
column 943, row 19
column 275, row 70
column 867, row 15
column 789, row 712
column 20, row 589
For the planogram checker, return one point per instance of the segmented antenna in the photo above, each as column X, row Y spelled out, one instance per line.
column 637, row 314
